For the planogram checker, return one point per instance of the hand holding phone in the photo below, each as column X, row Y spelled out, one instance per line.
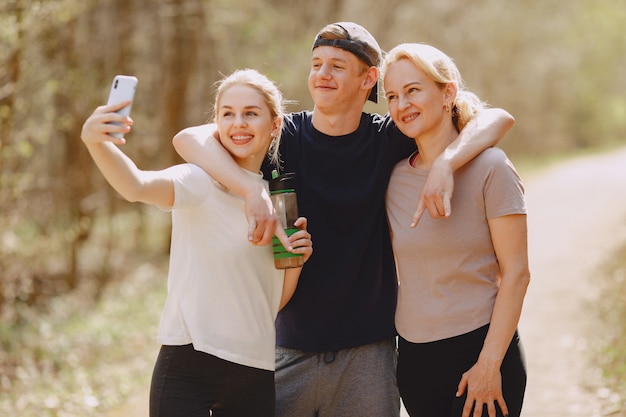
column 122, row 89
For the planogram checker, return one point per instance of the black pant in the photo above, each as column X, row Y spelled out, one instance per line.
column 429, row 374
column 189, row 383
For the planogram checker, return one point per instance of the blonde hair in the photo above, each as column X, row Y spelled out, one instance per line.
column 270, row 92
column 442, row 70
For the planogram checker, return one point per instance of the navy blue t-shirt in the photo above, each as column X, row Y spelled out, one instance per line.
column 346, row 295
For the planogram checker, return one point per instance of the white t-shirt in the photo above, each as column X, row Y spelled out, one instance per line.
column 223, row 292
column 448, row 271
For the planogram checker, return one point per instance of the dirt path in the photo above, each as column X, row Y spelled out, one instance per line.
column 577, row 215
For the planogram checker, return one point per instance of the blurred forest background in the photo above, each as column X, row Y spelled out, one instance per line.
column 558, row 66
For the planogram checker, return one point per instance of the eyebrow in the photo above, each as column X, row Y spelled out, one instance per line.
column 411, row 83
column 406, row 85
column 251, row 106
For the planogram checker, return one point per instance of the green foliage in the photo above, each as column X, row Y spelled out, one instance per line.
column 557, row 66
column 77, row 359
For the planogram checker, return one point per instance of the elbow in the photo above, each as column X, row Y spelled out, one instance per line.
column 516, row 280
column 507, row 120
column 179, row 141
column 500, row 122
column 523, row 280
column 189, row 141
column 526, row 278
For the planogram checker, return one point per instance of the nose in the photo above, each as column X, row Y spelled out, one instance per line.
column 324, row 71
column 240, row 120
column 403, row 101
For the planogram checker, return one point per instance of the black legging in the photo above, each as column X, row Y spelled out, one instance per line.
column 189, row 383
column 429, row 374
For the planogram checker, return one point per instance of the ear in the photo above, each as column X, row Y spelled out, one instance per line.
column 371, row 78
column 277, row 125
column 449, row 93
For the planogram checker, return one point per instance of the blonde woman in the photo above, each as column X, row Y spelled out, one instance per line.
column 217, row 329
column 462, row 280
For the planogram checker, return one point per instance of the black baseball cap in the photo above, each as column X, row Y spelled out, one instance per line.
column 356, row 39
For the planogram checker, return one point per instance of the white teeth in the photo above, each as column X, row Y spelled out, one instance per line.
column 409, row 117
column 241, row 137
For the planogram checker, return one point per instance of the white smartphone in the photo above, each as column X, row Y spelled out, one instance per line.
column 122, row 89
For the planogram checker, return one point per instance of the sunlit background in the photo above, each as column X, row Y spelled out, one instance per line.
column 82, row 272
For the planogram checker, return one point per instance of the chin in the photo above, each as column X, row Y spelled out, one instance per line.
column 411, row 133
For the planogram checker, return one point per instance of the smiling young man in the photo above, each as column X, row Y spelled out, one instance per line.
column 336, row 338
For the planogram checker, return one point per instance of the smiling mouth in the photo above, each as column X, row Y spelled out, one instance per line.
column 241, row 138
column 409, row 118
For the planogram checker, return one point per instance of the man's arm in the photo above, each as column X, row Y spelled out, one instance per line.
column 485, row 130
column 199, row 145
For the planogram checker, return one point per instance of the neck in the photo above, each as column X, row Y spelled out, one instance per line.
column 251, row 163
column 336, row 123
column 430, row 146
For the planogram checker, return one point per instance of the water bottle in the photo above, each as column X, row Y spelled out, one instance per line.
column 283, row 196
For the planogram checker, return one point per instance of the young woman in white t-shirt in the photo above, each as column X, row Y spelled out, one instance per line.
column 462, row 279
column 217, row 328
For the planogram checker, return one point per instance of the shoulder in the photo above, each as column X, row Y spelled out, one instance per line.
column 187, row 170
column 380, row 122
column 296, row 122
column 297, row 118
column 192, row 177
column 492, row 156
column 385, row 125
column 495, row 166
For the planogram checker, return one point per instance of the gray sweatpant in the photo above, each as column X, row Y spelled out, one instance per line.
column 353, row 382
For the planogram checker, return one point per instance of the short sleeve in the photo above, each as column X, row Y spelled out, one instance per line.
column 504, row 190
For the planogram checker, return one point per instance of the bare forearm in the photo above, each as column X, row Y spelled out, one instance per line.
column 303, row 245
column 289, row 287
column 509, row 238
column 198, row 145
column 485, row 130
column 505, row 318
